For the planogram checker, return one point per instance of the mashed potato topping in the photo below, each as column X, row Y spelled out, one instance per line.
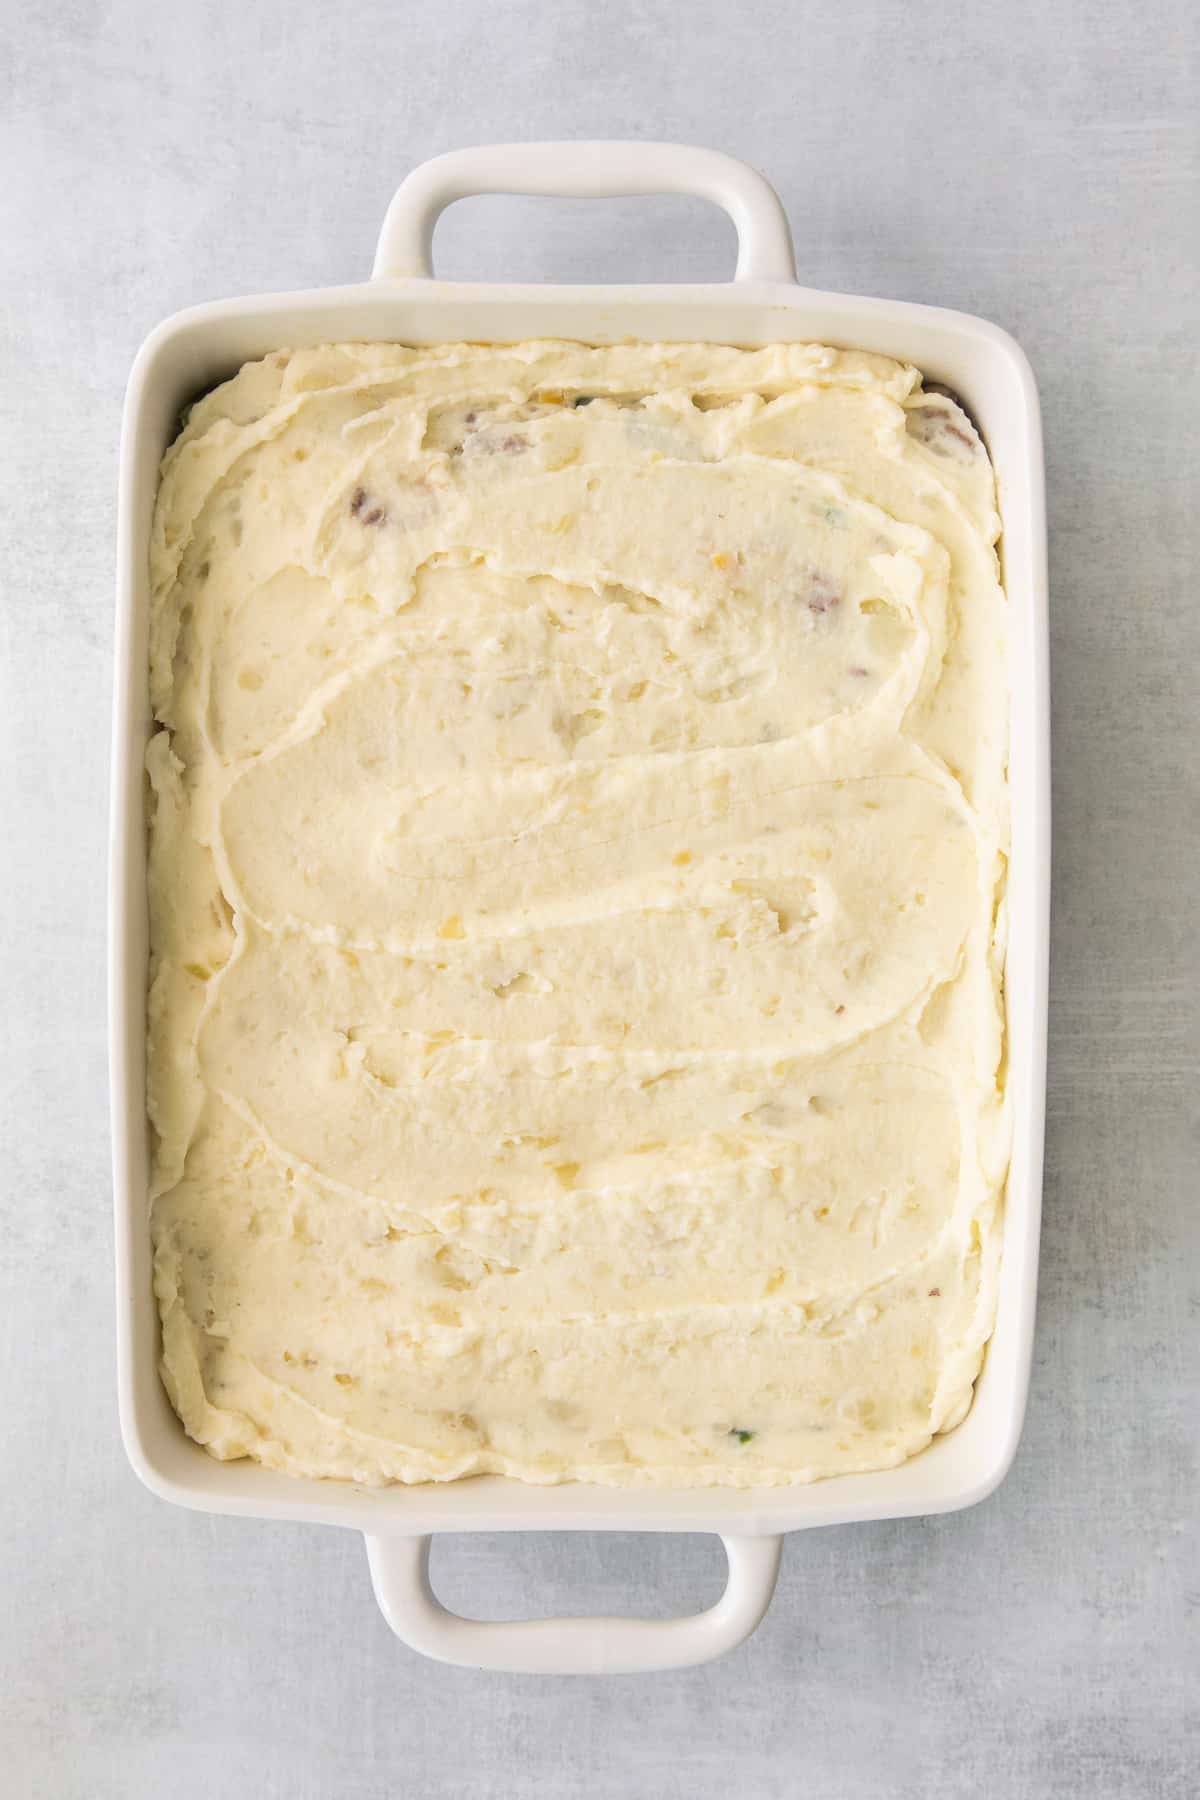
column 577, row 847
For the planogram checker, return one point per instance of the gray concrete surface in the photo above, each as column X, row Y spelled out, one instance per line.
column 1035, row 162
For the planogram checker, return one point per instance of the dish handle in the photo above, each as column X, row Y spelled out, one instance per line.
column 587, row 170
column 573, row 1646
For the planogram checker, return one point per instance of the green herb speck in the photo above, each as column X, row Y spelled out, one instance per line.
column 583, row 399
column 743, row 1437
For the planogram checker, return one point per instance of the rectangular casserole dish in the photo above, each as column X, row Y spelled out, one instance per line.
column 403, row 302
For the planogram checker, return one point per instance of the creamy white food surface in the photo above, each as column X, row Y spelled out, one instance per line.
column 578, row 827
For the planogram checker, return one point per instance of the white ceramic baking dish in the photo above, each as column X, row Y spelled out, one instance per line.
column 403, row 302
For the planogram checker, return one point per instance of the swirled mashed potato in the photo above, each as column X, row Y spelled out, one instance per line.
column 577, row 850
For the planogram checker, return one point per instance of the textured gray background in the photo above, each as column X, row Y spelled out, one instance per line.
column 1035, row 162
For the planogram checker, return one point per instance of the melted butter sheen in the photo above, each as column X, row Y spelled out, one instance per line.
column 577, row 843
